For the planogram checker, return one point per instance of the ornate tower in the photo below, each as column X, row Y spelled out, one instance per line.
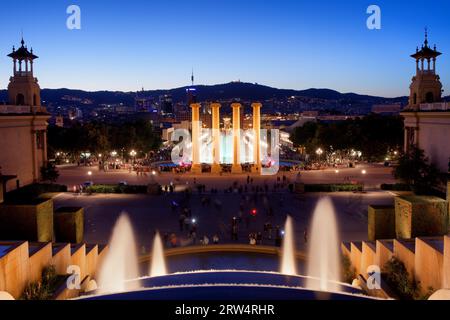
column 426, row 86
column 23, row 88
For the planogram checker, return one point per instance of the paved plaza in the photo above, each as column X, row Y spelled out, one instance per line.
column 372, row 178
column 150, row 213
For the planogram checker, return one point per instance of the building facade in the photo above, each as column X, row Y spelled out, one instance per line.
column 427, row 117
column 23, row 123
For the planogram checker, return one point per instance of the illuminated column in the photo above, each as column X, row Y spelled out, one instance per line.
column 215, row 107
column 236, row 167
column 256, row 137
column 196, row 166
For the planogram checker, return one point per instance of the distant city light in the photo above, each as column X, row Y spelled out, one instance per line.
column 363, row 171
column 89, row 173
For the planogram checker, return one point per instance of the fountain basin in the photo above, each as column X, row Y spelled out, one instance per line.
column 223, row 257
column 231, row 285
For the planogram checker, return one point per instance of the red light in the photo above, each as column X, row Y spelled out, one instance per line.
column 254, row 212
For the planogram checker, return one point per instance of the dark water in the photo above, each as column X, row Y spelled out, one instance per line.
column 224, row 261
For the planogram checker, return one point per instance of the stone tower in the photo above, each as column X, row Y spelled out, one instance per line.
column 426, row 86
column 23, row 88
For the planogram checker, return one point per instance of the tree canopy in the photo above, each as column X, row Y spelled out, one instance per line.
column 415, row 170
column 373, row 135
column 98, row 137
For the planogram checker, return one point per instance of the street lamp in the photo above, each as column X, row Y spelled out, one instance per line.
column 114, row 153
column 363, row 171
column 319, row 152
column 133, row 155
column 89, row 173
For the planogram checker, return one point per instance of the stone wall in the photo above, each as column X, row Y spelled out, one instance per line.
column 78, row 258
column 381, row 222
column 417, row 216
column 368, row 257
column 32, row 222
column 40, row 257
column 429, row 263
column 14, row 269
column 385, row 251
column 404, row 251
column 69, row 224
column 446, row 274
column 426, row 259
column 23, row 157
column 22, row 263
column 355, row 256
column 61, row 258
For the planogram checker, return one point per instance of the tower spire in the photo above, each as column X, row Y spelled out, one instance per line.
column 426, row 37
column 192, row 76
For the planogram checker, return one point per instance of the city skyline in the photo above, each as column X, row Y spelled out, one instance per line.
column 156, row 45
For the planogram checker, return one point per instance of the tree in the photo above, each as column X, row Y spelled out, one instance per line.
column 415, row 170
column 97, row 137
column 373, row 135
column 49, row 172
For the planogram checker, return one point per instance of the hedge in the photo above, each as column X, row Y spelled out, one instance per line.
column 333, row 187
column 105, row 188
column 33, row 191
column 395, row 187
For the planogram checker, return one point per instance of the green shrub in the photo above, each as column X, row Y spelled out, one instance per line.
column 33, row 191
column 333, row 187
column 395, row 187
column 397, row 277
column 44, row 289
column 129, row 189
column 348, row 271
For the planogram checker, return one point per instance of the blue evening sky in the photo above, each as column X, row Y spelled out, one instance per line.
column 297, row 44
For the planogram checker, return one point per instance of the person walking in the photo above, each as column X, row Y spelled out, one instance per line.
column 234, row 232
column 278, row 237
column 259, row 238
column 181, row 221
column 252, row 239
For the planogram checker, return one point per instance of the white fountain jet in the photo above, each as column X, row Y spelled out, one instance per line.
column 288, row 261
column 121, row 262
column 323, row 253
column 158, row 264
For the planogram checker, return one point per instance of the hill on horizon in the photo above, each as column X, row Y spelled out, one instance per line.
column 227, row 91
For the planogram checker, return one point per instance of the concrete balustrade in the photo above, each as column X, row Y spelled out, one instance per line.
column 22, row 263
column 427, row 259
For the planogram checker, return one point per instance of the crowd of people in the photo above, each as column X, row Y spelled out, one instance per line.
column 254, row 202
